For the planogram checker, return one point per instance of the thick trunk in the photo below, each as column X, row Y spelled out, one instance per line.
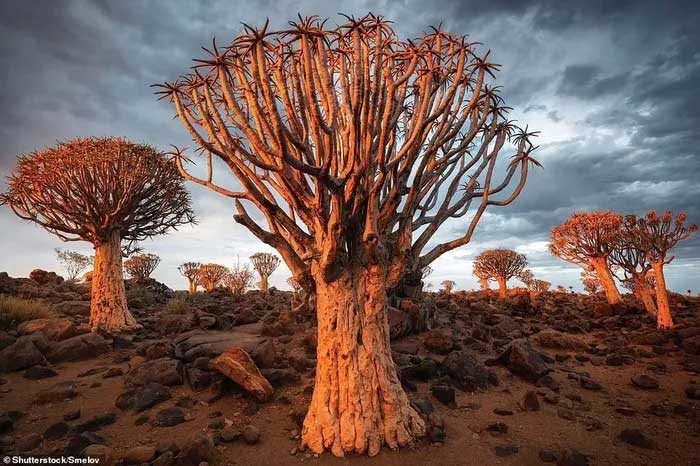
column 600, row 265
column 663, row 314
column 358, row 403
column 263, row 284
column 484, row 283
column 108, row 307
column 193, row 286
column 643, row 293
column 502, row 287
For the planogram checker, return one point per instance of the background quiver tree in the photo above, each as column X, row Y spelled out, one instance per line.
column 73, row 262
column 238, row 279
column 654, row 236
column 587, row 239
column 590, row 281
column 483, row 279
column 190, row 270
column 141, row 266
column 210, row 276
column 355, row 147
column 104, row 191
column 527, row 277
column 448, row 286
column 264, row 263
column 636, row 268
column 540, row 286
column 500, row 265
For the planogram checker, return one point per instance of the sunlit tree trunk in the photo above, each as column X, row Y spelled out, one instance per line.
column 607, row 281
column 663, row 315
column 502, row 287
column 644, row 294
column 108, row 307
column 193, row 286
column 264, row 285
column 358, row 403
column 484, row 283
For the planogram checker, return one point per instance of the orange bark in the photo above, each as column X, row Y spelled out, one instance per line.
column 108, row 306
column 644, row 294
column 502, row 287
column 663, row 315
column 600, row 266
column 358, row 403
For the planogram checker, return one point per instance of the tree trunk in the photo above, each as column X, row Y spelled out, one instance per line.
column 643, row 293
column 484, row 283
column 358, row 403
column 502, row 287
column 193, row 286
column 263, row 284
column 600, row 265
column 108, row 307
column 663, row 314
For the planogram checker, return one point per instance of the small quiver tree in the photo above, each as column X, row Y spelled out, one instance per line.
column 210, row 276
column 238, row 279
column 655, row 236
column 448, row 286
column 527, row 277
column 590, row 281
column 587, row 239
column 632, row 262
column 500, row 265
column 355, row 147
column 540, row 286
column 73, row 262
column 190, row 270
column 141, row 266
column 105, row 191
column 264, row 263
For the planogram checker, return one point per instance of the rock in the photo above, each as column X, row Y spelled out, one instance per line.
column 636, row 438
column 59, row 392
column 96, row 423
column 142, row 398
column 503, row 411
column 165, row 459
column 498, row 428
column 298, row 359
column 589, row 384
column 196, row 450
column 572, row 458
column 531, row 402
column 196, row 343
column 6, row 340
column 423, row 406
column 80, row 442
column 410, row 318
column 691, row 345
column 237, row 365
column 251, row 434
column 443, row 392
column 20, row 355
column 264, row 355
column 103, row 453
column 6, row 424
column 503, row 451
column 438, row 342
column 158, row 349
column 522, row 360
column 281, row 377
column 466, row 372
column 550, row 338
column 693, row 392
column 139, row 455
column 163, row 371
column 72, row 308
column 230, row 434
column 56, row 431
column 72, row 415
column 42, row 277
column 38, row 373
column 28, row 442
column 169, row 417
column 614, row 360
column 78, row 348
column 548, row 456
column 198, row 379
column 55, row 329
column 426, row 369
column 645, row 382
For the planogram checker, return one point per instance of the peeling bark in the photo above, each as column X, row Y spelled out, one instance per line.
column 602, row 270
column 663, row 315
column 108, row 306
column 358, row 403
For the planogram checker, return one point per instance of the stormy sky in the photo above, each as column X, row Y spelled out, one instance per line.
column 612, row 86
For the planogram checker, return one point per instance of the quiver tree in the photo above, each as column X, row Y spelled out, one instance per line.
column 355, row 147
column 636, row 268
column 141, row 266
column 500, row 265
column 238, row 279
column 590, row 281
column 483, row 279
column 105, row 191
column 527, row 277
column 448, row 286
column 587, row 239
column 264, row 263
column 540, row 286
column 211, row 275
column 190, row 270
column 655, row 236
column 73, row 262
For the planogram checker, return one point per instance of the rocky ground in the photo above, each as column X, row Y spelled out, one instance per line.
column 559, row 378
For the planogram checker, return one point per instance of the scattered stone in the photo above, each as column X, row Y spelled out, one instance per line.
column 506, row 450
column 498, row 427
column 169, row 417
column 28, row 442
column 522, row 360
column 59, row 392
column 573, row 458
column 466, row 372
column 141, row 398
column 139, row 455
column 237, row 365
column 230, row 434
column 80, row 442
column 251, row 434
column 163, row 371
column 72, row 415
column 548, row 456
column 444, row 392
column 531, row 402
column 438, row 342
column 636, row 438
column 645, row 382
column 693, row 392
column 22, row 354
column 56, row 431
column 96, row 423
column 39, row 372
column 103, row 453
column 589, row 384
column 503, row 411
column 55, row 329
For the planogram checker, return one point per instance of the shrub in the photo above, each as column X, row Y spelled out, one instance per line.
column 177, row 305
column 14, row 311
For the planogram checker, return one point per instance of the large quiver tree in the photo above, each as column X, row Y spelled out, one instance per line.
column 500, row 265
column 105, row 191
column 354, row 147
column 587, row 239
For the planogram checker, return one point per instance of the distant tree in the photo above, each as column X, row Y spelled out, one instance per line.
column 238, row 279
column 656, row 236
column 587, row 239
column 483, row 279
column 500, row 265
column 141, row 266
column 527, row 277
column 73, row 262
column 190, row 270
column 211, row 275
column 264, row 263
column 104, row 191
column 590, row 281
column 448, row 286
column 540, row 286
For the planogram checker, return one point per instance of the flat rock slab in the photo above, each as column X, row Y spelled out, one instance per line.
column 200, row 343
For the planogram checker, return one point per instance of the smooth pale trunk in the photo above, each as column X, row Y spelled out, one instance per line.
column 484, row 283
column 193, row 286
column 108, row 306
column 663, row 314
column 502, row 287
column 358, row 403
column 263, row 284
column 600, row 265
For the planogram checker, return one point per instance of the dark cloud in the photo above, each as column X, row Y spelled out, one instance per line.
column 612, row 85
